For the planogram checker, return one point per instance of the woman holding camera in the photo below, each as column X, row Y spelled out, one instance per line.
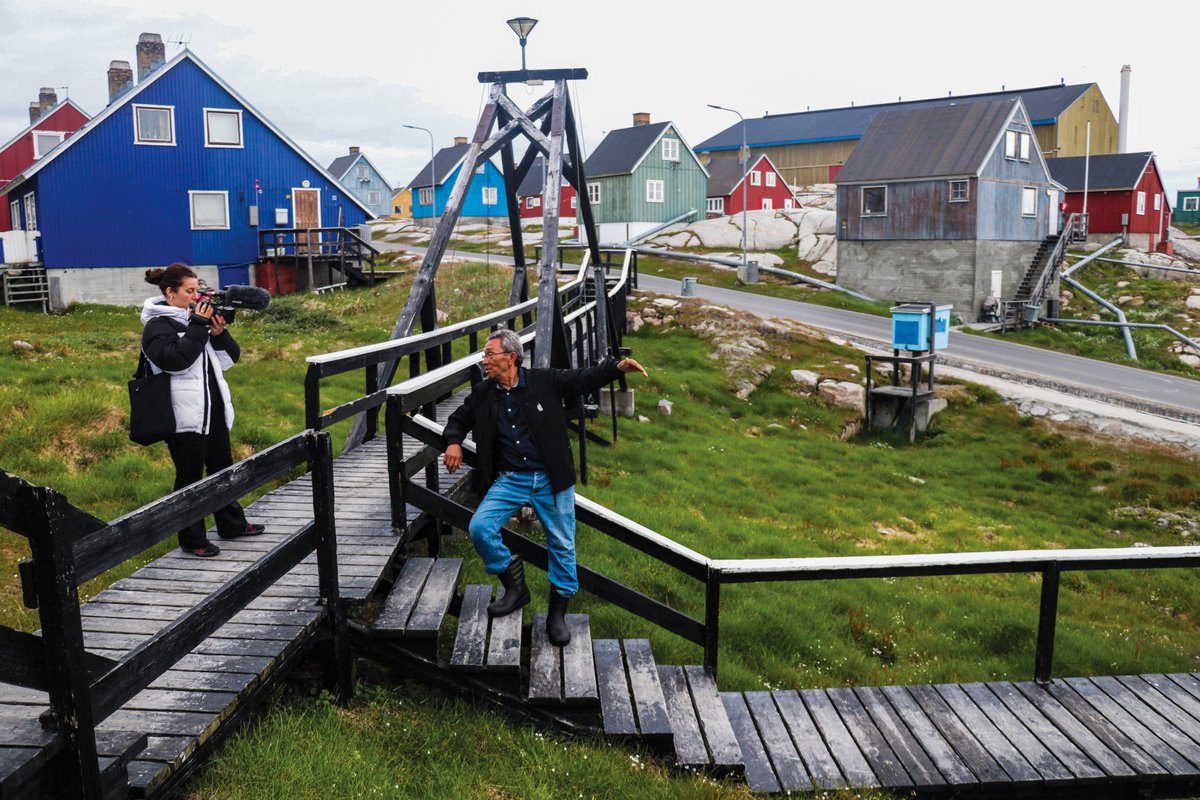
column 185, row 337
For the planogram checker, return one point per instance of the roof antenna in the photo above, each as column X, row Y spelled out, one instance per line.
column 1062, row 81
column 180, row 42
column 1002, row 87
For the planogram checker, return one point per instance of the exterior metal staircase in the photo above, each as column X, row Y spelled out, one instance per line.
column 1025, row 305
column 25, row 284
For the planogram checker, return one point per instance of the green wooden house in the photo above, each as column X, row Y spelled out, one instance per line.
column 1187, row 206
column 642, row 176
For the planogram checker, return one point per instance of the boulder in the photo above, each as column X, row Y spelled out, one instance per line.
column 1193, row 301
column 806, row 378
column 665, row 406
column 1190, row 360
column 842, row 394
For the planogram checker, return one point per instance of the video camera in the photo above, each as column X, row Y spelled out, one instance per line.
column 225, row 302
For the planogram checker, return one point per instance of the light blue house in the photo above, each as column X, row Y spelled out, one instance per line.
column 358, row 176
column 485, row 196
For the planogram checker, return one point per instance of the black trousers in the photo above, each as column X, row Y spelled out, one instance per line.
column 193, row 453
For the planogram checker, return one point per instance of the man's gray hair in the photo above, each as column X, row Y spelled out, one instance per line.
column 510, row 342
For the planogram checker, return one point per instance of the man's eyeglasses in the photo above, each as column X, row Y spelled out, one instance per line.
column 486, row 355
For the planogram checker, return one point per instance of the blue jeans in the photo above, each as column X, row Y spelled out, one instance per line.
column 507, row 495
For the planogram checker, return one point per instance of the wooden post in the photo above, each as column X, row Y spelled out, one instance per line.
column 340, row 669
column 549, row 315
column 312, row 397
column 395, row 466
column 62, row 631
column 1047, row 619
column 712, row 619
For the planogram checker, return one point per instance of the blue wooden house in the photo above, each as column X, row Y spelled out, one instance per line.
column 948, row 204
column 358, row 176
column 485, row 196
column 177, row 168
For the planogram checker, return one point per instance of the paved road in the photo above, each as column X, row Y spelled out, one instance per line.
column 1167, row 395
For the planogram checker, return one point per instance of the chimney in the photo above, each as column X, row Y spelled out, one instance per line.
column 353, row 151
column 460, row 140
column 47, row 99
column 640, row 118
column 1123, row 120
column 35, row 111
column 120, row 79
column 151, row 54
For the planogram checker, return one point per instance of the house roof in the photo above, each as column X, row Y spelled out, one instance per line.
column 623, row 149
column 447, row 160
column 341, row 166
column 132, row 94
column 1115, row 171
column 65, row 102
column 1042, row 103
column 932, row 142
column 532, row 185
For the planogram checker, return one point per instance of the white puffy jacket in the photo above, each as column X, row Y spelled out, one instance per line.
column 186, row 357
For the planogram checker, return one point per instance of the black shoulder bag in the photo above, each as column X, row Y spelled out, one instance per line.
column 151, row 416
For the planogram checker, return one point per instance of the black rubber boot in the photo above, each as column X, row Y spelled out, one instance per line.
column 556, row 623
column 516, row 593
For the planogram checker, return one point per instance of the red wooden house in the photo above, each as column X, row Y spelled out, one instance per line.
column 1125, row 196
column 529, row 194
column 51, row 122
column 765, row 189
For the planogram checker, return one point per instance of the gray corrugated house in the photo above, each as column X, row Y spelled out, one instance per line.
column 947, row 204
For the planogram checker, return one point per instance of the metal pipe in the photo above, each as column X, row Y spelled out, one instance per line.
column 1129, row 348
column 1091, row 257
column 1156, row 325
column 725, row 262
column 643, row 236
column 1149, row 266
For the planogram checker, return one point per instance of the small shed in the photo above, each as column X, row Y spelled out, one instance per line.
column 1125, row 196
column 765, row 187
column 485, row 195
column 642, row 176
column 948, row 204
column 358, row 176
column 532, row 190
column 1187, row 205
column 402, row 204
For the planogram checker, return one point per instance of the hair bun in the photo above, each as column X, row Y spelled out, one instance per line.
column 154, row 276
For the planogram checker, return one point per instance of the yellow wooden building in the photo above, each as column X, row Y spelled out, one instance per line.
column 402, row 204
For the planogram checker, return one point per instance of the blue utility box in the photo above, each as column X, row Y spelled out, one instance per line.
column 910, row 326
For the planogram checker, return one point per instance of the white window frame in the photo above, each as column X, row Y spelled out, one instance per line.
column 1026, row 146
column 656, row 191
column 768, row 204
column 31, row 220
column 533, row 202
column 1011, row 144
column 755, row 178
column 863, row 202
column 192, row 209
column 789, row 202
column 966, row 191
column 670, row 149
column 481, row 169
column 425, row 196
column 137, row 128
column 574, row 202
column 374, row 198
column 489, row 196
column 1158, row 201
column 14, row 215
column 769, row 177
column 716, row 205
column 1028, row 192
column 593, row 192
column 1141, row 203
column 363, row 173
column 1191, row 203
column 208, row 140
column 37, row 151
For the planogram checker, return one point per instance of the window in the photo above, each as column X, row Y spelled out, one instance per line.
column 533, row 202
column 154, row 125
column 210, row 211
column 768, row 204
column 769, row 177
column 1026, row 146
column 1018, row 145
column 789, row 202
column 594, row 193
column 45, row 141
column 222, row 128
column 1189, row 204
column 1141, row 202
column 397, row 210
column 1029, row 202
column 670, row 149
column 574, row 202
column 374, row 198
column 1157, row 201
column 874, row 201
column 959, row 191
column 755, row 178
column 481, row 169
column 1010, row 144
column 30, row 213
column 716, row 205
column 14, row 214
column 363, row 173
column 654, row 191
column 489, row 195
column 425, row 196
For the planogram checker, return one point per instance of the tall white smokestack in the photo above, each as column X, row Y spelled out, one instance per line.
column 1123, row 120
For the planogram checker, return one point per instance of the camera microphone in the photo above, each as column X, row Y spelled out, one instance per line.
column 251, row 298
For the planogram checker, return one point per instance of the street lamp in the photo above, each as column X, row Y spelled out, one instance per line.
column 743, row 157
column 521, row 26
column 432, row 171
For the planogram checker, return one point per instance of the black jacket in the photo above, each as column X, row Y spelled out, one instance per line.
column 542, row 406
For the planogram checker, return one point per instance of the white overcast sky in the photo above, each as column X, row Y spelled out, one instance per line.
column 353, row 74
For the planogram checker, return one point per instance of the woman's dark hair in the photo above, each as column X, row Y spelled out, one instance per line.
column 170, row 278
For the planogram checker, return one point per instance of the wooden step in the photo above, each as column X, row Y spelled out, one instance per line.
column 419, row 601
column 690, row 750
column 562, row 674
column 616, row 703
column 760, row 776
column 470, row 642
column 631, row 695
column 723, row 749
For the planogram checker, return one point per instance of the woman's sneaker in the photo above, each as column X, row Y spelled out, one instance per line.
column 250, row 530
column 206, row 550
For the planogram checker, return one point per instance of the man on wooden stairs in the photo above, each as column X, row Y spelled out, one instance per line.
column 524, row 458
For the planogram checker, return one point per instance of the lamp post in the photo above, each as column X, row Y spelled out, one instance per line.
column 432, row 171
column 521, row 26
column 743, row 157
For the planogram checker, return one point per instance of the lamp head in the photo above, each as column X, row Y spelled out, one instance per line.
column 522, row 26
